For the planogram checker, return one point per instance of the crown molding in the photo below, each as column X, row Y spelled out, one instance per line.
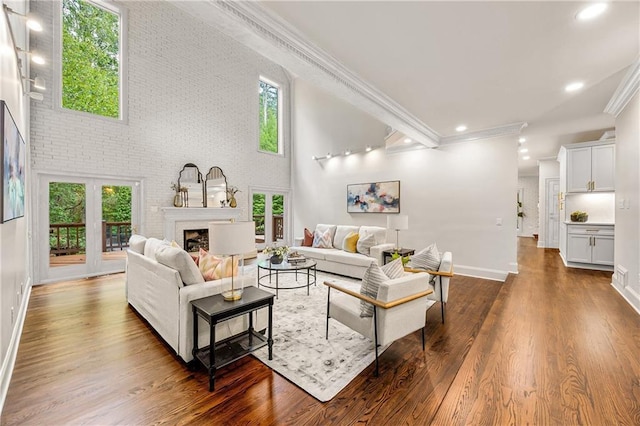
column 494, row 132
column 626, row 90
column 257, row 27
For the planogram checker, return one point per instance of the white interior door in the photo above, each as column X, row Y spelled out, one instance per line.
column 553, row 213
column 83, row 225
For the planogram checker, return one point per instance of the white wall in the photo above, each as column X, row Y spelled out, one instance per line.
column 627, row 230
column 453, row 195
column 14, row 259
column 546, row 169
column 193, row 97
column 529, row 185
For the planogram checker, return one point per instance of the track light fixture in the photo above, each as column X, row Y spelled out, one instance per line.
column 35, row 58
column 35, row 95
column 345, row 153
column 38, row 82
column 33, row 24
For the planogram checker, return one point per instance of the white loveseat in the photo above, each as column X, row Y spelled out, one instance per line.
column 337, row 261
column 158, row 293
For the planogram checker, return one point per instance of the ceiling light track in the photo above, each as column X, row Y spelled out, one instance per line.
column 345, row 153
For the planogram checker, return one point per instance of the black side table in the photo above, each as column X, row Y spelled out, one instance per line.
column 386, row 254
column 215, row 309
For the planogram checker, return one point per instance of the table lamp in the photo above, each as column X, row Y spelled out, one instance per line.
column 399, row 222
column 232, row 239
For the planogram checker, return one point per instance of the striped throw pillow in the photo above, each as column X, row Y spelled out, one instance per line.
column 371, row 281
column 394, row 269
column 428, row 258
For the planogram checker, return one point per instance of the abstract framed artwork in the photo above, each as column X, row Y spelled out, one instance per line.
column 376, row 197
column 13, row 167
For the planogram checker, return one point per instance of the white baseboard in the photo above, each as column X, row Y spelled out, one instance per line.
column 6, row 370
column 487, row 274
column 631, row 296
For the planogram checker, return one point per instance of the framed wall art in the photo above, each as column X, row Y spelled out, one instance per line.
column 376, row 197
column 13, row 166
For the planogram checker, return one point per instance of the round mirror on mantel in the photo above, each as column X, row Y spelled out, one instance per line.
column 215, row 188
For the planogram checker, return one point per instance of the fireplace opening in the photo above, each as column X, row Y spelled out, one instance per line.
column 195, row 239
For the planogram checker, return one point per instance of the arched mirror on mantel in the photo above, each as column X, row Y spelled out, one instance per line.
column 215, row 188
column 190, row 186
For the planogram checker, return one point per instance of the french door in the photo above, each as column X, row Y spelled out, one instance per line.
column 270, row 212
column 83, row 225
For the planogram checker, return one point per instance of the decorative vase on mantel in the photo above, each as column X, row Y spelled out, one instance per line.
column 275, row 259
column 177, row 200
column 232, row 202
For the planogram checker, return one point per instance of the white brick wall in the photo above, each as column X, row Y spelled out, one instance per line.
column 193, row 97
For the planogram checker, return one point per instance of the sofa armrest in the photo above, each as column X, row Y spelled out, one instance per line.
column 376, row 252
column 297, row 241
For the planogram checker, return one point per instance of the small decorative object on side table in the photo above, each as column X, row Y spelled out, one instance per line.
column 215, row 309
column 387, row 255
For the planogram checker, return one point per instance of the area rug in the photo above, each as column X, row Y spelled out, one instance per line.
column 302, row 354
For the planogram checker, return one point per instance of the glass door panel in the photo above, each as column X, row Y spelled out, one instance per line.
column 67, row 227
column 116, row 222
column 258, row 204
column 269, row 212
column 277, row 217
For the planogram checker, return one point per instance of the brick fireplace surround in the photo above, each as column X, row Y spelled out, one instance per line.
column 177, row 219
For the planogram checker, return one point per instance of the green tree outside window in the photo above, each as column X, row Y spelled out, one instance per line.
column 269, row 109
column 90, row 58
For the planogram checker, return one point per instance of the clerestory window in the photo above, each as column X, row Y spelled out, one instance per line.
column 92, row 62
column 270, row 117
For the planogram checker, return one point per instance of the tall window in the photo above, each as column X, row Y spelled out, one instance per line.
column 91, row 58
column 270, row 117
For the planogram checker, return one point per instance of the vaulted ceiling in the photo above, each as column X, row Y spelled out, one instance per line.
column 487, row 65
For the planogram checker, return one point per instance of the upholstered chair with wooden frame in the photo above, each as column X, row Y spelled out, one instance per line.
column 442, row 276
column 398, row 310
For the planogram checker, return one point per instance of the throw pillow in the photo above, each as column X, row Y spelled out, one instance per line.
column 226, row 268
column 308, row 238
column 364, row 245
column 394, row 269
column 136, row 243
column 371, row 281
column 322, row 240
column 207, row 263
column 350, row 242
column 178, row 259
column 428, row 258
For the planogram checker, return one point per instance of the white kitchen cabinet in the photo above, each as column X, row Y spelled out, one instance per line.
column 590, row 245
column 590, row 168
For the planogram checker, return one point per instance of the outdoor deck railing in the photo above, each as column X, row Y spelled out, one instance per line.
column 70, row 238
column 277, row 226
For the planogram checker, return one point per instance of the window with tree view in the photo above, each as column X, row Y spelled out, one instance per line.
column 90, row 58
column 269, row 117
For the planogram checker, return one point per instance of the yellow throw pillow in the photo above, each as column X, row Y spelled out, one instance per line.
column 350, row 242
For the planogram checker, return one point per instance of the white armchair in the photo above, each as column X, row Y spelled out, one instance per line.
column 398, row 310
column 441, row 285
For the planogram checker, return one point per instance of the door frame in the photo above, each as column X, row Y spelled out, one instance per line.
column 40, row 223
column 548, row 213
column 270, row 191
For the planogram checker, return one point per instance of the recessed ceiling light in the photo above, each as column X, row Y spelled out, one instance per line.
column 461, row 128
column 591, row 11
column 368, row 148
column 572, row 87
column 407, row 140
column 347, row 152
column 526, row 157
column 522, row 140
column 524, row 150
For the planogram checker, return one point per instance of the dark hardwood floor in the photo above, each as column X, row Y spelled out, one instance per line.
column 549, row 346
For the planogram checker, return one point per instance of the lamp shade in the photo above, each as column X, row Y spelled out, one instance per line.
column 398, row 222
column 230, row 238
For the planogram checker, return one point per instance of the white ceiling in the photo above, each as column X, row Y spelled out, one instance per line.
column 483, row 64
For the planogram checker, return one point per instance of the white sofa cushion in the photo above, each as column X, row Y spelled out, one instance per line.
column 340, row 256
column 152, row 246
column 378, row 232
column 180, row 260
column 364, row 244
column 137, row 243
column 341, row 232
column 313, row 252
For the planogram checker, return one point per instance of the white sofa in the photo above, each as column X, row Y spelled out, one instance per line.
column 337, row 261
column 157, row 292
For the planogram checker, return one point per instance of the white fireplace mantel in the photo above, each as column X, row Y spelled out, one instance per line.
column 177, row 219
